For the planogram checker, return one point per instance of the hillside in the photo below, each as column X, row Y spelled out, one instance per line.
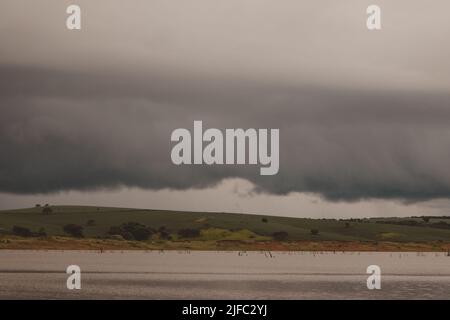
column 97, row 221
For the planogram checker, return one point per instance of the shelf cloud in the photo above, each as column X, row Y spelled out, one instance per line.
column 361, row 115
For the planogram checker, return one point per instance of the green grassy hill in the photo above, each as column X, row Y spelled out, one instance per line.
column 376, row 229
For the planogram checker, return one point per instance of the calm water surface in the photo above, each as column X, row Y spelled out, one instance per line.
column 222, row 275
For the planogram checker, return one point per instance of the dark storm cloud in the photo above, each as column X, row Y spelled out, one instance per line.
column 62, row 131
column 361, row 115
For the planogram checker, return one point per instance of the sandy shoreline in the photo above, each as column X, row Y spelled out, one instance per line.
column 65, row 243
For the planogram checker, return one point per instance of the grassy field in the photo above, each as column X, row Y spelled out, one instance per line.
column 224, row 227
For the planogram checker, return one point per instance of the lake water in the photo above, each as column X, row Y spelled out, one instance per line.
column 223, row 275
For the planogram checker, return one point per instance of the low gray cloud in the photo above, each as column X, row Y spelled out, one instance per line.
column 100, row 114
column 62, row 131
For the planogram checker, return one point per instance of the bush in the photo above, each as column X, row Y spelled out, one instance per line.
column 440, row 224
column 139, row 231
column 74, row 230
column 264, row 220
column 47, row 209
column 115, row 230
column 132, row 231
column 189, row 233
column 280, row 235
column 141, row 234
column 116, row 237
column 22, row 232
column 426, row 219
column 42, row 232
column 314, row 232
column 164, row 235
column 118, row 231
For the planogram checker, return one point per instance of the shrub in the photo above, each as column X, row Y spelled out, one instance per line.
column 47, row 209
column 42, row 232
column 90, row 223
column 280, row 235
column 116, row 237
column 22, row 232
column 440, row 224
column 426, row 219
column 74, row 230
column 132, row 231
column 139, row 231
column 141, row 234
column 164, row 235
column 314, row 232
column 264, row 220
column 189, row 233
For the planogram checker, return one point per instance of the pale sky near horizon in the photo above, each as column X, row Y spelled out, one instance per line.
column 232, row 195
column 364, row 116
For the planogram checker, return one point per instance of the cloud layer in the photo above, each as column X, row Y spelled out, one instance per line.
column 360, row 115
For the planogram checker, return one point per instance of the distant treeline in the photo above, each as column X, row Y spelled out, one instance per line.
column 134, row 231
column 416, row 223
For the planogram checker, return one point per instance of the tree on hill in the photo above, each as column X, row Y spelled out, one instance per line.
column 314, row 232
column 132, row 231
column 189, row 233
column 74, row 230
column 42, row 232
column 25, row 232
column 46, row 209
column 164, row 235
column 22, row 231
column 280, row 235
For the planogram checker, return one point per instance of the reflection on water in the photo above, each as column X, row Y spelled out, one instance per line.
column 223, row 275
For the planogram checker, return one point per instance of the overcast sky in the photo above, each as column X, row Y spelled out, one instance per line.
column 364, row 116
